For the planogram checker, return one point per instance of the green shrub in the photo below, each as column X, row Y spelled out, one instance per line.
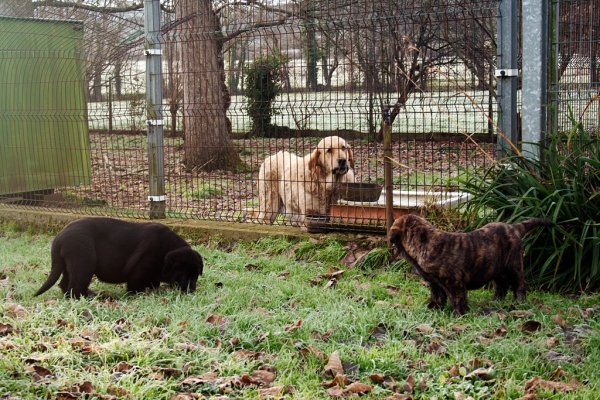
column 563, row 186
column 262, row 86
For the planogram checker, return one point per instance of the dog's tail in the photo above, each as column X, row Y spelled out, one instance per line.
column 56, row 271
column 526, row 226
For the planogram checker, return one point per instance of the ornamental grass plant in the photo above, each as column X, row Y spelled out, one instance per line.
column 563, row 185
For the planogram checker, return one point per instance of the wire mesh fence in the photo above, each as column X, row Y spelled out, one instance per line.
column 244, row 81
column 575, row 50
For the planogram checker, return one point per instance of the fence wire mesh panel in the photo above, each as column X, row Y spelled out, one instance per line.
column 73, row 113
column 296, row 74
column 261, row 84
column 575, row 84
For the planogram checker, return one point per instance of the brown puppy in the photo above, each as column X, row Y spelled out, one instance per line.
column 141, row 255
column 452, row 263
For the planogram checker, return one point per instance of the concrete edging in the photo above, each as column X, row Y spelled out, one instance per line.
column 51, row 222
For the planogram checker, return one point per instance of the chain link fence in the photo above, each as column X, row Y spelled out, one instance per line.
column 243, row 81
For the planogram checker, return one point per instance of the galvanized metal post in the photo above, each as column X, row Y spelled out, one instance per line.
column 507, row 75
column 535, row 56
column 553, row 71
column 154, row 111
column 387, row 172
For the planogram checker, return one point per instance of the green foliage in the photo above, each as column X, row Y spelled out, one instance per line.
column 564, row 186
column 262, row 86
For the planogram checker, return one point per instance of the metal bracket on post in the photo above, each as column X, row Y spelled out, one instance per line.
column 157, row 198
column 506, row 73
column 154, row 52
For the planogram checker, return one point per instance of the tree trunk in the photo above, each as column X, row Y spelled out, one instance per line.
column 207, row 129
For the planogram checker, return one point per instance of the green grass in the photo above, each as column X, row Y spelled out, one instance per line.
column 377, row 317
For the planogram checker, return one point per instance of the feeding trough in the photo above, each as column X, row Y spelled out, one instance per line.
column 404, row 202
column 360, row 191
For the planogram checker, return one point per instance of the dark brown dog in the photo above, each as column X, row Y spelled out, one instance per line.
column 453, row 263
column 141, row 255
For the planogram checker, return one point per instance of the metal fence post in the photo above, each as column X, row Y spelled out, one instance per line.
column 154, row 113
column 507, row 75
column 387, row 173
column 553, row 73
column 535, row 56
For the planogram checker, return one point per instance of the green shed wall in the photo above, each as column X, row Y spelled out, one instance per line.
column 44, row 142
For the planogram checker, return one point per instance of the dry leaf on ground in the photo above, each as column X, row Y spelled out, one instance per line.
column 334, row 365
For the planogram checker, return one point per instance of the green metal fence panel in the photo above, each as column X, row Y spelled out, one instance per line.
column 44, row 142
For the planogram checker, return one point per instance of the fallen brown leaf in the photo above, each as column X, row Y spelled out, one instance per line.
column 424, row 328
column 315, row 351
column 122, row 367
column 117, row 391
column 459, row 328
column 215, row 319
column 262, row 337
column 330, row 283
column 521, row 313
column 336, row 391
column 409, row 386
column 321, row 336
column 208, row 377
column 531, row 326
column 15, row 311
column 422, row 384
column 333, row 273
column 551, row 342
column 558, row 373
column 275, row 391
column 334, row 364
column 435, row 348
column 293, row 326
column 359, row 388
column 484, row 374
column 340, row 379
column 265, row 377
column 185, row 346
column 537, row 382
column 377, row 378
column 6, row 329
column 283, row 275
column 248, row 354
column 560, row 321
column 38, row 372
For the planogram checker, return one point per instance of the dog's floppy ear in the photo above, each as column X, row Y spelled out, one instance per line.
column 394, row 235
column 183, row 256
column 172, row 261
column 350, row 157
column 315, row 161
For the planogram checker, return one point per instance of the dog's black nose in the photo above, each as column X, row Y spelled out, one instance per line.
column 342, row 162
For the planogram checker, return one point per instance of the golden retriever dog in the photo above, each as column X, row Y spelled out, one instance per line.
column 296, row 186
